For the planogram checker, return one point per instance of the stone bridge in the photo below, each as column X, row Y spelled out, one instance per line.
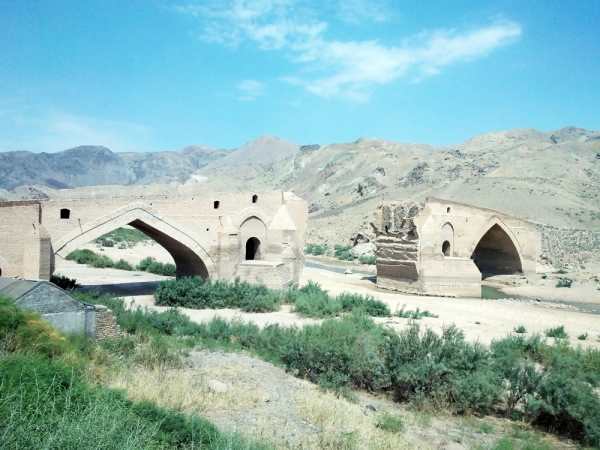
column 441, row 247
column 256, row 237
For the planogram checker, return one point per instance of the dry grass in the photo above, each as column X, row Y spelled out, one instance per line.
column 344, row 425
column 183, row 389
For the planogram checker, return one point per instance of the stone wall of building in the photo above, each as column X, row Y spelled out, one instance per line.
column 441, row 247
column 207, row 233
column 106, row 325
column 18, row 221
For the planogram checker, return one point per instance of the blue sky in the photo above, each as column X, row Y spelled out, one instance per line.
column 158, row 75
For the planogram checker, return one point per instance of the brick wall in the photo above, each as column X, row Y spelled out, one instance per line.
column 106, row 324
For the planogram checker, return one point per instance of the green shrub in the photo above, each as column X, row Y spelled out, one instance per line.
column 151, row 265
column 390, row 422
column 129, row 236
column 105, row 242
column 520, row 329
column 148, row 264
column 564, row 282
column 343, row 252
column 200, row 294
column 367, row 303
column 367, row 259
column 443, row 370
column 415, row 315
column 315, row 249
column 313, row 301
column 582, row 337
column 556, row 332
column 345, row 352
column 82, row 256
column 64, row 282
column 102, row 261
column 122, row 265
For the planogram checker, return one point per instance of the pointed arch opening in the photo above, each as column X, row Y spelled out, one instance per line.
column 496, row 254
column 189, row 258
column 252, row 249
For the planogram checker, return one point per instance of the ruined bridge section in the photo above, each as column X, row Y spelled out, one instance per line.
column 440, row 247
column 257, row 237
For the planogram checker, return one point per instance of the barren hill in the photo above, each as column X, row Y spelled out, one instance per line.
column 547, row 177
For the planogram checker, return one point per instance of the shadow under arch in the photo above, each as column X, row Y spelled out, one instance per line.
column 191, row 259
column 3, row 266
column 497, row 252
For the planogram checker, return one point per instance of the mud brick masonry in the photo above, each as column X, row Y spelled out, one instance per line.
column 253, row 236
column 445, row 248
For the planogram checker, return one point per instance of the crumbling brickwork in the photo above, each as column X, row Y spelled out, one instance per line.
column 106, row 324
column 397, row 242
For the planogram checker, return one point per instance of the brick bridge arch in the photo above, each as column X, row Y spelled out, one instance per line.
column 496, row 249
column 191, row 259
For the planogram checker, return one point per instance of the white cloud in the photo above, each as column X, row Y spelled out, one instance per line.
column 337, row 68
column 250, row 90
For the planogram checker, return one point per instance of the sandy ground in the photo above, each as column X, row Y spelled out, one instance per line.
column 481, row 320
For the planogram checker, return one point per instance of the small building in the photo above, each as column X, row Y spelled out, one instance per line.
column 446, row 248
column 56, row 306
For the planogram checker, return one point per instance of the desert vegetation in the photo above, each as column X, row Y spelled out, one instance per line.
column 122, row 238
column 64, row 282
column 549, row 385
column 341, row 252
column 309, row 301
column 149, row 264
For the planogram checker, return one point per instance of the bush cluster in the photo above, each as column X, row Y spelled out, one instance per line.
column 315, row 249
column 310, row 300
column 527, row 378
column 564, row 282
column 127, row 236
column 199, row 293
column 151, row 265
column 367, row 259
column 148, row 264
column 417, row 314
column 64, row 282
column 343, row 252
column 313, row 301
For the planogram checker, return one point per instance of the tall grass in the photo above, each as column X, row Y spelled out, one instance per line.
column 47, row 402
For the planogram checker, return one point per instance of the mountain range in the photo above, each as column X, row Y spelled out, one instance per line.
column 548, row 177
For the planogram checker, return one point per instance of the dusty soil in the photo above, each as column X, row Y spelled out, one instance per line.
column 241, row 393
column 481, row 319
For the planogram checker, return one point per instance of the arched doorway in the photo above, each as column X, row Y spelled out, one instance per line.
column 252, row 249
column 496, row 254
column 447, row 239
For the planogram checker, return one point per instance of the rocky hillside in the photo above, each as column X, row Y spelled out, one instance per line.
column 547, row 177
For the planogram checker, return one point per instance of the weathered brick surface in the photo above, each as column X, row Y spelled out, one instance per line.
column 106, row 324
